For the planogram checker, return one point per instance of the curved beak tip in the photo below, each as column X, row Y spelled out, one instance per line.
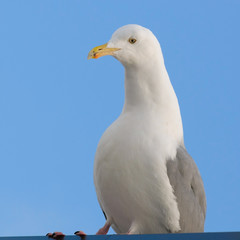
column 90, row 55
column 97, row 51
column 100, row 51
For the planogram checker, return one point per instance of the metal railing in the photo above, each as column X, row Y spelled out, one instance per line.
column 177, row 236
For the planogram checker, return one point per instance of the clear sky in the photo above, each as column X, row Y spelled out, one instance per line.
column 55, row 104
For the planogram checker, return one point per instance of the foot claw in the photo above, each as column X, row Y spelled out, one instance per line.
column 80, row 233
column 56, row 235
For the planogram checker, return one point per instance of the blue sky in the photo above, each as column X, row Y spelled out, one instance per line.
column 55, row 105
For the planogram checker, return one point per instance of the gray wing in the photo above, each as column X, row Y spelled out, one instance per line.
column 189, row 191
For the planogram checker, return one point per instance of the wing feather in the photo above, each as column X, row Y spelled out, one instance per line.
column 188, row 188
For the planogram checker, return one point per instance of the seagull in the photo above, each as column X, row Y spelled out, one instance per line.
column 145, row 180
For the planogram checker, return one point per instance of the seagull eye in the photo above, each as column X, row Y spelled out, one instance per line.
column 132, row 40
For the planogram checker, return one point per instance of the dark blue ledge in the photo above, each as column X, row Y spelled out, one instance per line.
column 177, row 236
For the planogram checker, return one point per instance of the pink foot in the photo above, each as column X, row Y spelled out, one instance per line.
column 56, row 235
column 80, row 234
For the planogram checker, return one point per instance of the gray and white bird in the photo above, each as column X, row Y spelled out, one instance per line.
column 145, row 180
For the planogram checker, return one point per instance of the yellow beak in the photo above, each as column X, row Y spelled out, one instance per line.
column 100, row 51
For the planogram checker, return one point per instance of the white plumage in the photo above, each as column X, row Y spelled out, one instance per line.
column 131, row 172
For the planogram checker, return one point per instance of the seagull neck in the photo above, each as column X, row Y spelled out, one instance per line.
column 152, row 97
column 146, row 90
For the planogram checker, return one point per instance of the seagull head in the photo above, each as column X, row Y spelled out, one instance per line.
column 132, row 45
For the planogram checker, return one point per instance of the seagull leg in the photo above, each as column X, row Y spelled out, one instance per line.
column 101, row 231
column 104, row 230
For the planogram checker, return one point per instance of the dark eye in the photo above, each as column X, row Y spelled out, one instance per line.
column 132, row 40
